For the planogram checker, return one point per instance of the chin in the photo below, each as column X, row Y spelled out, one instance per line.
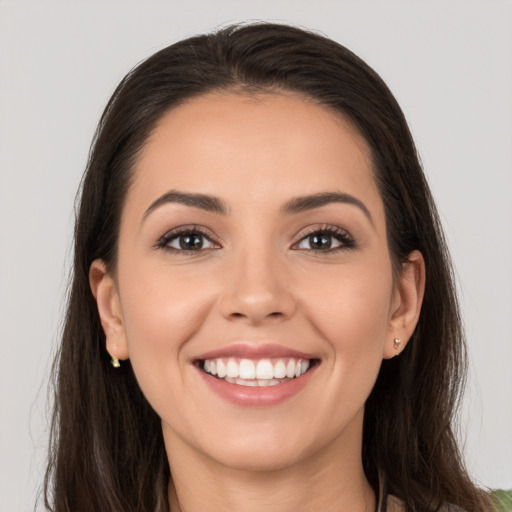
column 265, row 449
column 261, row 460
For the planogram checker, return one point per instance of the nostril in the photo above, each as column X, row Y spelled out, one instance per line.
column 274, row 314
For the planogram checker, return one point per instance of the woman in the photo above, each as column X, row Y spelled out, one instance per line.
column 258, row 255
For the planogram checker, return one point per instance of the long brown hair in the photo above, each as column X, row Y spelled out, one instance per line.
column 107, row 451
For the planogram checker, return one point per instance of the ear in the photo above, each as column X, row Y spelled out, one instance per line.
column 406, row 304
column 106, row 294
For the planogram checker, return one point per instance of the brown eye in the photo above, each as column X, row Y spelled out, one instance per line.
column 187, row 241
column 190, row 241
column 325, row 241
column 320, row 242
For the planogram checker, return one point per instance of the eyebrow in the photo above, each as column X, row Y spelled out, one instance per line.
column 202, row 201
column 300, row 204
column 296, row 205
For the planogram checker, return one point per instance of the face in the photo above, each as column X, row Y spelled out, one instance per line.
column 254, row 292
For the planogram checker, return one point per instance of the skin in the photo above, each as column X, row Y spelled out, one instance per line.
column 258, row 281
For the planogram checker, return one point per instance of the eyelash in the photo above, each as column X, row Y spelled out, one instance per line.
column 342, row 236
column 164, row 241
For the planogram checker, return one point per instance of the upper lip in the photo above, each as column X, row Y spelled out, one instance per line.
column 251, row 351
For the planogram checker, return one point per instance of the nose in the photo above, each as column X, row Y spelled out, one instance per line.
column 258, row 290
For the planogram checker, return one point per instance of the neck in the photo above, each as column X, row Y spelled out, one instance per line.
column 330, row 480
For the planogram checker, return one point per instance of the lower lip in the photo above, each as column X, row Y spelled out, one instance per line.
column 264, row 396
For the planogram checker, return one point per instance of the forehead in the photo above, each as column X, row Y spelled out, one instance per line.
column 259, row 146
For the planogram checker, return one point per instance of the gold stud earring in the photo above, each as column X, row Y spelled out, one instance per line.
column 115, row 362
column 396, row 344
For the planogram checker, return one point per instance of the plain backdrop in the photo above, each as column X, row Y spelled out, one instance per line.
column 449, row 64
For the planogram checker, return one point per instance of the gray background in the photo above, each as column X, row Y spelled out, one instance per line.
column 449, row 64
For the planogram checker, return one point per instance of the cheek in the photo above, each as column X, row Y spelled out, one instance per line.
column 351, row 307
column 354, row 325
column 162, row 313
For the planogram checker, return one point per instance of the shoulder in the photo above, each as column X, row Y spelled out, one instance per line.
column 396, row 505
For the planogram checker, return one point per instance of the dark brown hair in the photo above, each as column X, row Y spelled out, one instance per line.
column 107, row 451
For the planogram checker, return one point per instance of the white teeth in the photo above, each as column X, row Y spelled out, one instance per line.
column 242, row 382
column 247, row 369
column 290, row 369
column 254, row 382
column 232, row 369
column 280, row 370
column 221, row 369
column 264, row 372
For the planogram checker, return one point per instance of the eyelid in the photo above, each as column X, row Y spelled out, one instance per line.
column 341, row 234
column 162, row 242
column 337, row 232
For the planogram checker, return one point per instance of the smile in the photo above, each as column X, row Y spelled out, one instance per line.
column 256, row 373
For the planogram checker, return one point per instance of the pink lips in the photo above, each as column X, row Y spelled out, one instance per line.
column 256, row 396
column 242, row 350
